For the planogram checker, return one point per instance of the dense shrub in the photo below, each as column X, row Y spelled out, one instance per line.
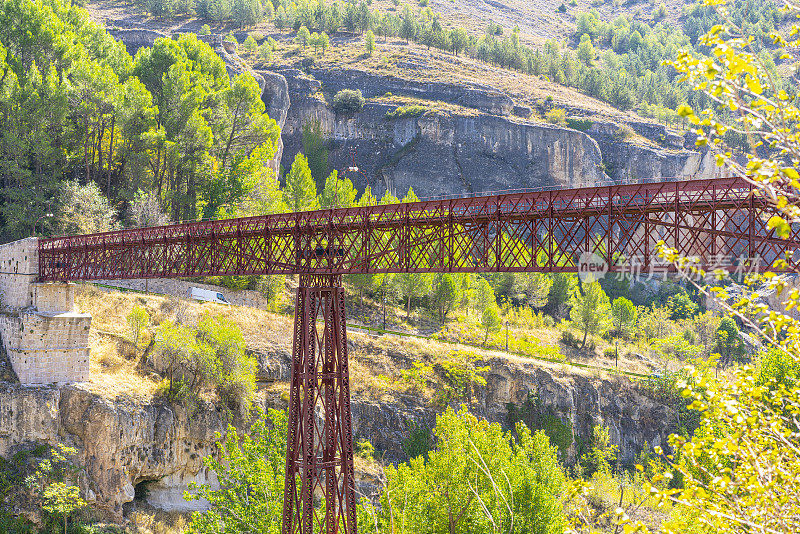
column 556, row 116
column 250, row 467
column 210, row 356
column 582, row 125
column 537, row 416
column 461, row 377
column 349, row 101
column 419, row 441
column 474, row 460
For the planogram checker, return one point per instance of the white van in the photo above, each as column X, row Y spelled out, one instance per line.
column 207, row 295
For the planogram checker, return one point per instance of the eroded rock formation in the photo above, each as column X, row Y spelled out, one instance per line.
column 123, row 443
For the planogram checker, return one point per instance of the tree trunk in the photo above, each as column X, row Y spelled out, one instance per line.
column 100, row 136
column 585, row 332
column 110, row 157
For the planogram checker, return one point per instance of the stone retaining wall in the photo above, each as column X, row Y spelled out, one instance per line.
column 45, row 339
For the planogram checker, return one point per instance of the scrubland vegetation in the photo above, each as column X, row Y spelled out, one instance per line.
column 618, row 61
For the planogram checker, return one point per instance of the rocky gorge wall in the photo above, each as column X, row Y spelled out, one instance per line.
column 441, row 152
column 480, row 141
column 123, row 444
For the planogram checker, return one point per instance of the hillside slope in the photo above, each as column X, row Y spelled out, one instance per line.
column 131, row 438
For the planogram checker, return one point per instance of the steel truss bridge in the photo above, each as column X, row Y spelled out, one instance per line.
column 720, row 221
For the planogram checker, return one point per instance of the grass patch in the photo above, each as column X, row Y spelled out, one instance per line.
column 405, row 112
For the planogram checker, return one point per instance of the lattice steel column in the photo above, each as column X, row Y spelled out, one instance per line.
column 319, row 444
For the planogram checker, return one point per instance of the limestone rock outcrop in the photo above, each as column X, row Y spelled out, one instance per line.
column 120, row 443
column 441, row 152
column 480, row 140
column 583, row 402
column 472, row 139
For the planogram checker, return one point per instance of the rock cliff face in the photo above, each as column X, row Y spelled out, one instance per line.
column 579, row 401
column 583, row 402
column 480, row 97
column 481, row 140
column 663, row 157
column 121, row 444
column 441, row 152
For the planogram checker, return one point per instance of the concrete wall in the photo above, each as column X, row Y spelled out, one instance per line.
column 45, row 339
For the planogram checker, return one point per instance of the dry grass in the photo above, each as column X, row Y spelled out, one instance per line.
column 414, row 62
column 376, row 364
column 154, row 521
column 115, row 366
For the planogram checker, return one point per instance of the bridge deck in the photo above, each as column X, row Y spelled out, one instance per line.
column 718, row 220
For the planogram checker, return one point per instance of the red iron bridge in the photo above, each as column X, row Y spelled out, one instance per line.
column 721, row 222
column 547, row 231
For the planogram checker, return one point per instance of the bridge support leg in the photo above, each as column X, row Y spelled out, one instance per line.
column 319, row 443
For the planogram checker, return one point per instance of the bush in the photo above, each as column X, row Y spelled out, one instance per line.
column 534, row 348
column 272, row 287
column 404, row 112
column 776, row 367
column 417, row 377
column 461, row 378
column 419, row 441
column 602, row 453
column 562, row 8
column 231, row 370
column 211, row 356
column 579, row 124
column 472, row 454
column 13, row 524
column 569, row 339
column 251, row 464
column 556, row 116
column 138, row 320
column 205, row 30
column 349, row 101
column 177, row 391
column 537, row 416
column 681, row 307
column 265, row 52
column 624, row 132
column 250, row 45
column 365, row 449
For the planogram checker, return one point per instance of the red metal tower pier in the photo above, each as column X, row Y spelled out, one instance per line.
column 319, row 445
